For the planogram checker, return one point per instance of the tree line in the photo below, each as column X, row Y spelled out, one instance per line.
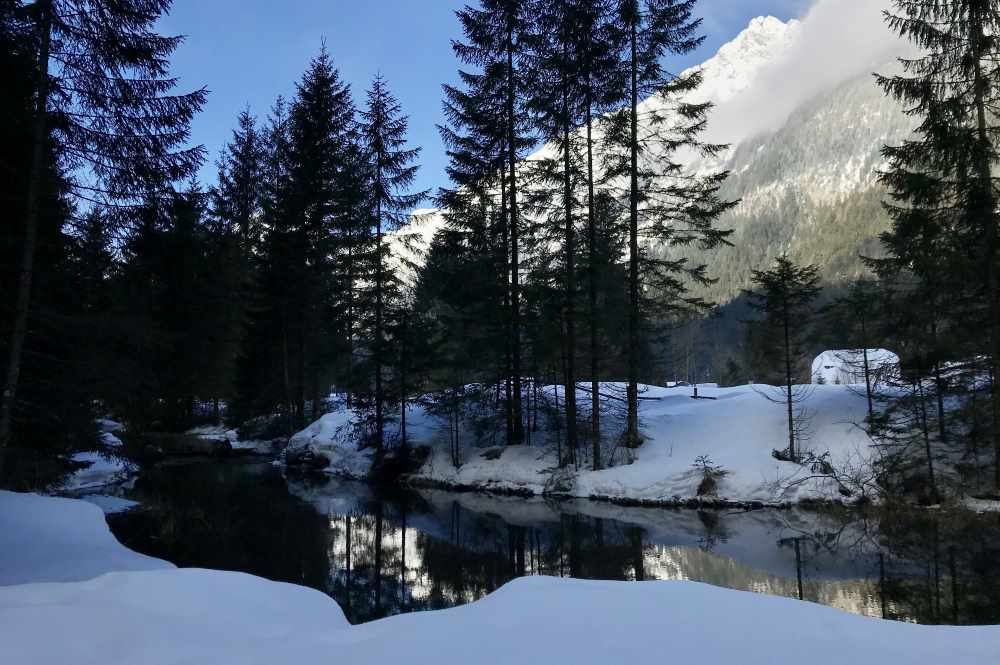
column 291, row 278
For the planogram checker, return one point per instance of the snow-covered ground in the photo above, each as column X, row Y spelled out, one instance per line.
column 736, row 429
column 64, row 599
column 101, row 470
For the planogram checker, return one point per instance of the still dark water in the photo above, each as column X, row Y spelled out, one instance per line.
column 381, row 554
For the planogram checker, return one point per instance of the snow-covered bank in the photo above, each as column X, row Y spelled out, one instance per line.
column 735, row 429
column 48, row 539
column 163, row 616
column 167, row 617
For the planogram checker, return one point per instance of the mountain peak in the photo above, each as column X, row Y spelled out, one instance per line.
column 736, row 64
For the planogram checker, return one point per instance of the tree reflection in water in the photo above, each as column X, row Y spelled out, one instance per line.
column 379, row 554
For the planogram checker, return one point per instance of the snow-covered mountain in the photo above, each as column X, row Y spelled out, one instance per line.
column 805, row 144
column 805, row 167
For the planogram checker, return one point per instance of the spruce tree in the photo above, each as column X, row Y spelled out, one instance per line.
column 597, row 44
column 497, row 44
column 322, row 124
column 391, row 173
column 942, row 180
column 666, row 205
column 235, row 228
column 104, row 102
column 237, row 198
column 556, row 98
column 263, row 381
column 784, row 295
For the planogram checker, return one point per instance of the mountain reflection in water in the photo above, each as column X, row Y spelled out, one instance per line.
column 384, row 553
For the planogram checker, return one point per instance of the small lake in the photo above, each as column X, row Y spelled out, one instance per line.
column 380, row 554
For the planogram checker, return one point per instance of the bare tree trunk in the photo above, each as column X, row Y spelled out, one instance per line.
column 350, row 325
column 379, row 397
column 402, row 562
column 300, row 372
column 23, row 304
column 987, row 213
column 285, row 369
column 534, row 387
column 926, row 433
column 788, row 385
column 527, row 411
column 868, row 371
column 348, row 562
column 402, row 388
column 633, row 313
column 508, row 384
column 798, row 567
column 570, row 238
column 595, row 381
column 515, row 268
column 377, row 578
column 938, row 383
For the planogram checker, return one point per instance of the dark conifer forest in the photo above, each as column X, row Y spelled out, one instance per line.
column 578, row 248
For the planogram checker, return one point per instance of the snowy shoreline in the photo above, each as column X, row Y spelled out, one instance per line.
column 735, row 430
column 62, row 567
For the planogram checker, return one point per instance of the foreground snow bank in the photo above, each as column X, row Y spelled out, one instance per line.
column 61, row 570
column 167, row 616
column 547, row 620
column 735, row 429
column 164, row 616
column 196, row 616
column 48, row 539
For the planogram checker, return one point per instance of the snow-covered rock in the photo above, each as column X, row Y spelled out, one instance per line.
column 333, row 440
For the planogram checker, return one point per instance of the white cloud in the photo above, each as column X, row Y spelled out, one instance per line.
column 837, row 40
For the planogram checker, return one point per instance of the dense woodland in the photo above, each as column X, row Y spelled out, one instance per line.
column 134, row 290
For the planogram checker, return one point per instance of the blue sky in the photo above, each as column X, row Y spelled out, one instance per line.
column 250, row 51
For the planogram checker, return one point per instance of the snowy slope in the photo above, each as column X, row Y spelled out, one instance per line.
column 737, row 430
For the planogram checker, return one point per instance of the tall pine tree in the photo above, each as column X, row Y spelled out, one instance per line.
column 391, row 172
column 942, row 181
column 105, row 104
